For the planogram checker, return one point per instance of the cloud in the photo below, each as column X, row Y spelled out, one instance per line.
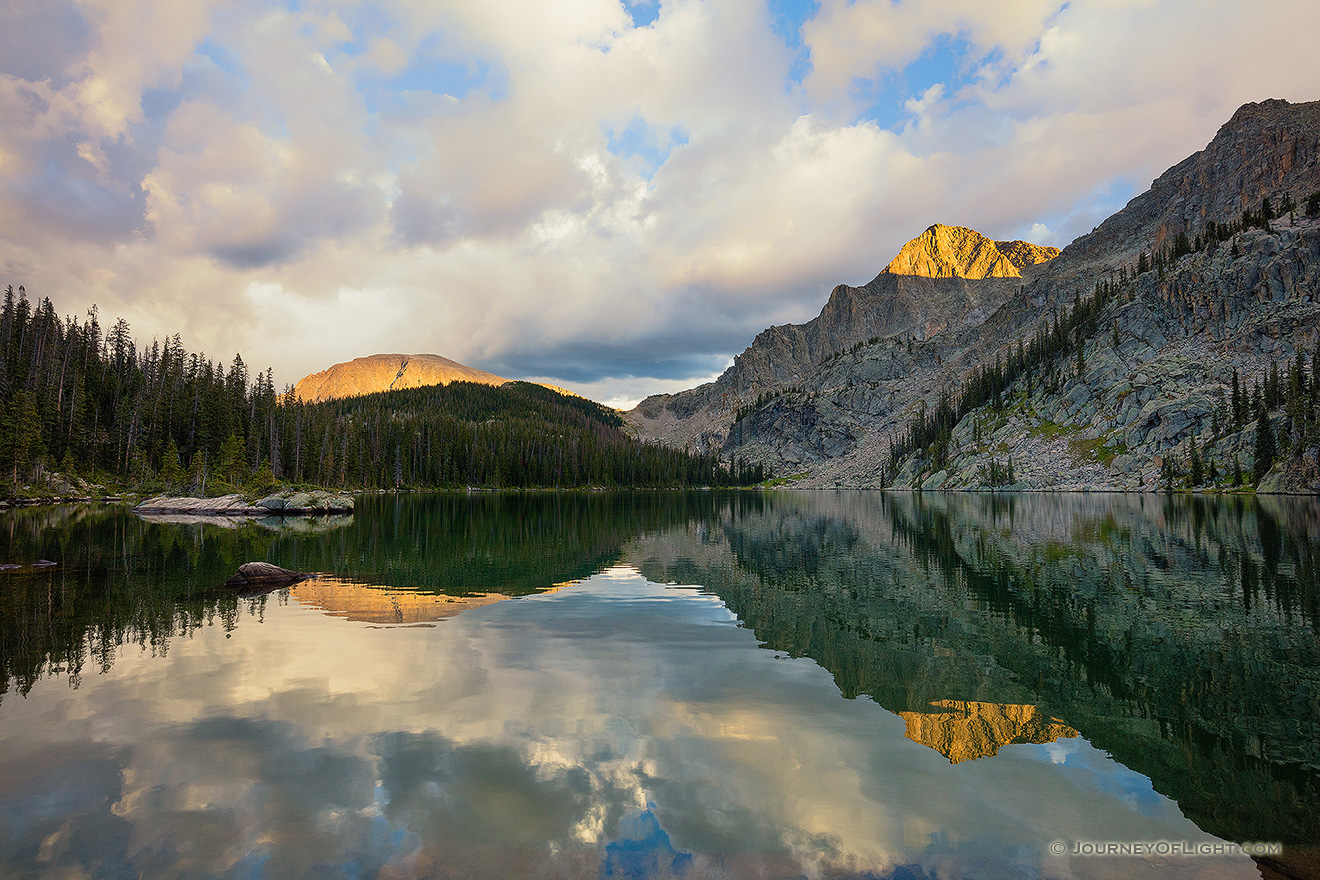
column 562, row 193
column 867, row 38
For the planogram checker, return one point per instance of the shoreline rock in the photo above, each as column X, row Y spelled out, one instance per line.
column 279, row 504
column 265, row 575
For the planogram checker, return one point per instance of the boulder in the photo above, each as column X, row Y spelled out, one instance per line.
column 302, row 503
column 265, row 574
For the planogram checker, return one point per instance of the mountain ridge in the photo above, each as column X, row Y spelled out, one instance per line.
column 1198, row 283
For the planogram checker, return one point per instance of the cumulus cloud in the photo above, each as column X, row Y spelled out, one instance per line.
column 562, row 193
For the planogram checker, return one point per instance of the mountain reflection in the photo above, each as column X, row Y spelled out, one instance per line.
column 964, row 731
column 367, row 603
column 123, row 579
column 1178, row 635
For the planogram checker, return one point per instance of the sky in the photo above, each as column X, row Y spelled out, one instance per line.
column 611, row 196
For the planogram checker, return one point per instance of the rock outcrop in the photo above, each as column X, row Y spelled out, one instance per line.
column 387, row 372
column 823, row 401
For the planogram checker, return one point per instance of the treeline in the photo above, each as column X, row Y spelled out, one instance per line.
column 465, row 434
column 96, row 406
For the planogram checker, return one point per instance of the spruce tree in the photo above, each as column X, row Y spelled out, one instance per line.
column 1238, row 417
column 1265, row 446
column 171, row 471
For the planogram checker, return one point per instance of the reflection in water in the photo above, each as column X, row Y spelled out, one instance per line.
column 964, row 731
column 617, row 726
column 373, row 604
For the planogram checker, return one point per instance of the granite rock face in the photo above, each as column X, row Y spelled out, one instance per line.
column 824, row 400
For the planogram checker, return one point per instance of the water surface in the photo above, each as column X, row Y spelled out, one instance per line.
column 672, row 684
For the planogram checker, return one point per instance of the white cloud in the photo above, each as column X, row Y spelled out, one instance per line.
column 866, row 38
column 340, row 179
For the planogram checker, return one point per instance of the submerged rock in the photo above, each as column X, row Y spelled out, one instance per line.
column 265, row 574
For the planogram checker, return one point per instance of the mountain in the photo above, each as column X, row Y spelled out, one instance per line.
column 946, row 280
column 387, row 372
column 1101, row 367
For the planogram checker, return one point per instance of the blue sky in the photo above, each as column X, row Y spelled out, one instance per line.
column 614, row 196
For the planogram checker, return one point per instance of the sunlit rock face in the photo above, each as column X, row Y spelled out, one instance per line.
column 958, row 252
column 387, row 372
column 963, row 730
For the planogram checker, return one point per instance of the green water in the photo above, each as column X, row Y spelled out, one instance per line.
column 699, row 684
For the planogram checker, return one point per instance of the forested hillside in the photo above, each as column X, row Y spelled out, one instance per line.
column 81, row 404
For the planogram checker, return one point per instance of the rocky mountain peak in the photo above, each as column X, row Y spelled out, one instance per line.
column 958, row 252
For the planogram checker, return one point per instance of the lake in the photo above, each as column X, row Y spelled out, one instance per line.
column 671, row 684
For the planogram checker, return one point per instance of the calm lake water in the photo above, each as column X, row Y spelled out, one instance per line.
column 820, row 685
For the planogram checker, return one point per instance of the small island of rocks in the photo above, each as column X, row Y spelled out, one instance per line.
column 288, row 503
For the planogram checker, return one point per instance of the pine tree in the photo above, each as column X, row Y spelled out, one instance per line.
column 171, row 471
column 1197, row 472
column 1265, row 446
column 1168, row 471
column 1238, row 416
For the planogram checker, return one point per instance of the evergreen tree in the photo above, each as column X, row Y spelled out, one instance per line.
column 171, row 471
column 1238, row 412
column 1265, row 446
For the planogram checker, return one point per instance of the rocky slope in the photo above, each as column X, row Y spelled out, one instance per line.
column 825, row 400
column 948, row 279
column 387, row 372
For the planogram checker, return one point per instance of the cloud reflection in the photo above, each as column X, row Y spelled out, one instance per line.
column 617, row 727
